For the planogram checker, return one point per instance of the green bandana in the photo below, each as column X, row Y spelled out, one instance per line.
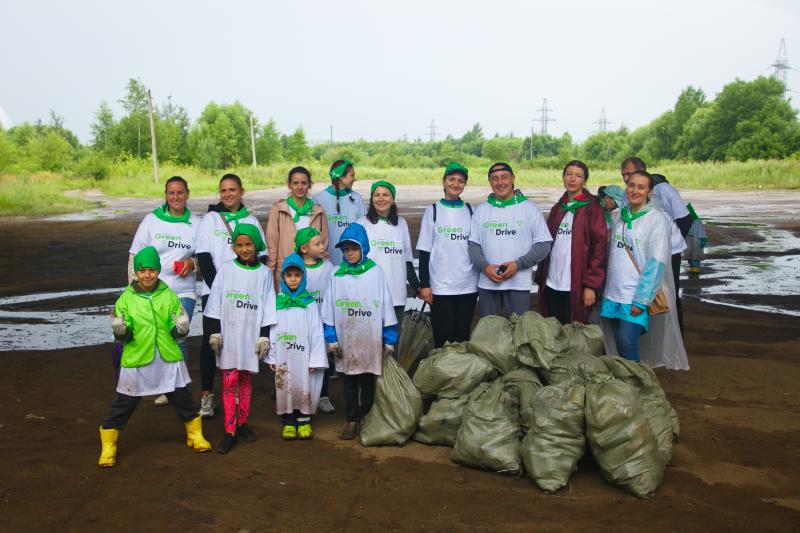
column 303, row 236
column 516, row 199
column 231, row 217
column 162, row 213
column 339, row 170
column 342, row 192
column 575, row 204
column 285, row 301
column 383, row 183
column 146, row 258
column 252, row 232
column 345, row 268
column 299, row 211
column 692, row 211
column 628, row 217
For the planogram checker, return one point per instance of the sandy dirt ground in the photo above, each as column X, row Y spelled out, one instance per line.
column 736, row 466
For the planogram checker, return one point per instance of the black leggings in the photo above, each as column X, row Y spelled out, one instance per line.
column 451, row 317
column 359, row 395
column 558, row 304
column 122, row 407
column 208, row 362
column 676, row 275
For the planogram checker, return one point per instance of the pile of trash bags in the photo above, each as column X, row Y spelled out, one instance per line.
column 526, row 395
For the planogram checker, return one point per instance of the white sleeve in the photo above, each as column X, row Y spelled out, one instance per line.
column 141, row 238
column 317, row 355
column 475, row 226
column 677, row 206
column 389, row 317
column 539, row 231
column 327, row 311
column 408, row 251
column 659, row 242
column 426, row 229
column 213, row 308
column 270, row 360
column 269, row 315
column 361, row 209
column 204, row 234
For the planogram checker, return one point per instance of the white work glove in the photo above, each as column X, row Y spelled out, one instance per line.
column 118, row 324
column 215, row 341
column 262, row 347
column 335, row 349
column 388, row 350
column 182, row 323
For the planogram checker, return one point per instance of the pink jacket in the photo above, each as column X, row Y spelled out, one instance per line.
column 281, row 231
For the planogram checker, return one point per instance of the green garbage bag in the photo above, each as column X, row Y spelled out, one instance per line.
column 396, row 410
column 493, row 339
column 584, row 338
column 451, row 371
column 538, row 340
column 620, row 438
column 489, row 434
column 581, row 367
column 440, row 424
column 522, row 384
column 555, row 442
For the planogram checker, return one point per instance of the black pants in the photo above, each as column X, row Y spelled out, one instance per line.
column 451, row 317
column 122, row 407
column 676, row 275
column 359, row 395
column 558, row 304
column 330, row 371
column 295, row 418
column 208, row 362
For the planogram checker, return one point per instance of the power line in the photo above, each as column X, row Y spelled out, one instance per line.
column 781, row 67
column 544, row 117
column 603, row 123
column 432, row 130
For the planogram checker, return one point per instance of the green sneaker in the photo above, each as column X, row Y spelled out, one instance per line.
column 289, row 433
column 304, row 432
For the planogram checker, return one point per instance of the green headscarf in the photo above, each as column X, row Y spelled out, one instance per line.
column 162, row 213
column 252, row 232
column 629, row 216
column 146, row 258
column 303, row 236
column 339, row 170
column 383, row 183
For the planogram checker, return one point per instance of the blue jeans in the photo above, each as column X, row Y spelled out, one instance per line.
column 626, row 335
column 188, row 304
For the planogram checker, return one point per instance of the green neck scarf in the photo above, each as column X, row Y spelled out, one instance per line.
column 628, row 216
column 285, row 301
column 231, row 217
column 575, row 204
column 303, row 210
column 692, row 211
column 458, row 202
column 345, row 268
column 315, row 265
column 516, row 199
column 608, row 217
column 162, row 213
column 342, row 192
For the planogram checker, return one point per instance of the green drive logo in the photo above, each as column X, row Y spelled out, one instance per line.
column 240, row 300
column 500, row 229
column 449, row 229
column 354, row 308
column 233, row 295
column 380, row 242
column 353, row 304
column 490, row 224
column 286, row 337
column 337, row 218
column 221, row 233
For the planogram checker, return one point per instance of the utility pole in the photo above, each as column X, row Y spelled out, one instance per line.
column 331, row 133
column 153, row 137
column 602, row 123
column 531, row 146
column 544, row 117
column 253, row 141
column 781, row 67
column 432, row 130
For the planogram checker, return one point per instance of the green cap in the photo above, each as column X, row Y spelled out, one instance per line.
column 303, row 236
column 456, row 168
column 251, row 231
column 339, row 170
column 383, row 183
column 146, row 258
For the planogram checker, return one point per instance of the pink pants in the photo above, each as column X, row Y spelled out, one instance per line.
column 233, row 382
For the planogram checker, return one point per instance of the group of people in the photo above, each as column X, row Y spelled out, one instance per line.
column 321, row 294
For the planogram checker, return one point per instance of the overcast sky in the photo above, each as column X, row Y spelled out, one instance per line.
column 381, row 70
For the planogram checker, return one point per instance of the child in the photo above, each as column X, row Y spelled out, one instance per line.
column 241, row 308
column 298, row 351
column 148, row 318
column 359, row 323
column 695, row 242
column 309, row 245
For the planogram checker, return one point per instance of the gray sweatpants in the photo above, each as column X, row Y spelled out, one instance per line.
column 503, row 303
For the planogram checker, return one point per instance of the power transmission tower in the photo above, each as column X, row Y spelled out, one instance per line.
column 781, row 67
column 544, row 117
column 432, row 130
column 603, row 123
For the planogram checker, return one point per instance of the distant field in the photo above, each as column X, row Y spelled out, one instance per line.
column 43, row 193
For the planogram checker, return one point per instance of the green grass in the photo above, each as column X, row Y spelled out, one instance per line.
column 43, row 193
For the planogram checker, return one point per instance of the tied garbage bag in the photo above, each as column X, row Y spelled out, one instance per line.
column 538, row 340
column 492, row 339
column 489, row 434
column 451, row 371
column 440, row 424
column 620, row 438
column 581, row 367
column 522, row 384
column 555, row 443
column 584, row 338
column 396, row 410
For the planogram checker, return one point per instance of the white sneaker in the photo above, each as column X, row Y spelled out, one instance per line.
column 325, row 405
column 207, row 406
column 161, row 400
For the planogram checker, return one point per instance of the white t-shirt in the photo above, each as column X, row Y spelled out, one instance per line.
column 243, row 300
column 317, row 279
column 451, row 271
column 297, row 344
column 351, row 208
column 506, row 234
column 159, row 377
column 359, row 307
column 174, row 241
column 390, row 248
column 214, row 238
column 559, row 276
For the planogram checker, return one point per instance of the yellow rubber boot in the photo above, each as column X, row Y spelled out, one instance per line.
column 194, row 435
column 108, row 454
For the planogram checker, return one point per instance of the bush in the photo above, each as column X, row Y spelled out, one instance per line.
column 93, row 165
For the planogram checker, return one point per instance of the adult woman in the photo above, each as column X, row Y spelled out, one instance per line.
column 448, row 283
column 213, row 249
column 342, row 205
column 287, row 216
column 390, row 243
column 570, row 278
column 639, row 265
column 171, row 230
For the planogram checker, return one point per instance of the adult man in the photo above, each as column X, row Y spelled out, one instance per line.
column 508, row 238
